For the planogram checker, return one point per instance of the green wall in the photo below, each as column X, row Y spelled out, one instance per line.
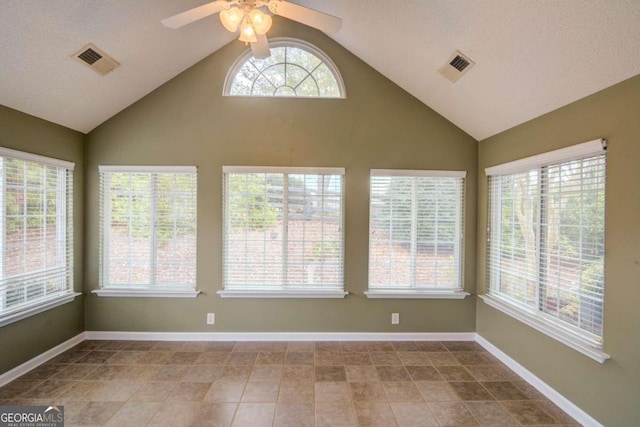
column 609, row 392
column 187, row 121
column 27, row 338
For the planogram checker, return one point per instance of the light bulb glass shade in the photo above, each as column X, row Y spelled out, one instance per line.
column 247, row 32
column 231, row 18
column 260, row 20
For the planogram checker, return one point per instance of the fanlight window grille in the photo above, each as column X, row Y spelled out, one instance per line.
column 294, row 69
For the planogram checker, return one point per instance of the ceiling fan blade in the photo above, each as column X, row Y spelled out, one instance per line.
column 192, row 15
column 260, row 49
column 304, row 15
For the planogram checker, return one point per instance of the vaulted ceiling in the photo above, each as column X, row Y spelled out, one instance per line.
column 531, row 56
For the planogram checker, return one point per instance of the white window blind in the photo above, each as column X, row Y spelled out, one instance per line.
column 36, row 231
column 148, row 218
column 546, row 237
column 283, row 228
column 416, row 230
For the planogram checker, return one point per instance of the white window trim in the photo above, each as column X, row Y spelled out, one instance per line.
column 285, row 42
column 540, row 322
column 581, row 342
column 146, row 293
column 415, row 294
column 44, row 305
column 287, row 293
column 291, row 292
column 562, row 155
column 29, row 157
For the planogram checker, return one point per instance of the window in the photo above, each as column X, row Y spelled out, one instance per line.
column 36, row 234
column 416, row 234
column 546, row 242
column 148, row 231
column 294, row 69
column 283, row 232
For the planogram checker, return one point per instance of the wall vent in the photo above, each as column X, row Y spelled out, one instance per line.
column 456, row 67
column 96, row 59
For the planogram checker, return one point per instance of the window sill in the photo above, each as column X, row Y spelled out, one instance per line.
column 415, row 294
column 43, row 305
column 147, row 293
column 281, row 294
column 586, row 346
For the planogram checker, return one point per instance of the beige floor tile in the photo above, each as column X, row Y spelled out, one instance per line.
column 254, row 415
column 470, row 390
column 266, row 373
column 213, row 358
column 154, row 391
column 270, row 358
column 298, row 373
column 153, row 358
column 253, row 346
column 305, row 346
column 436, row 391
column 332, row 392
column 215, row 415
column 116, row 391
column 488, row 373
column 294, row 415
column 332, row 346
column 189, row 392
column 379, row 346
column 242, row 358
column 261, row 392
column 74, row 372
column 491, row 414
column 18, row 387
column 274, row 346
column 335, row 414
column 183, row 358
column 452, row 414
column 83, row 391
column 171, row 373
column 328, row 358
column 424, row 373
column 357, row 358
column 133, row 414
column 367, row 392
column 443, row 359
column 430, row 346
column 455, row 373
column 393, row 373
column 361, row 374
column 374, row 414
column 414, row 358
column 94, row 413
column 137, row 372
column 225, row 392
column 354, row 346
column 415, row 414
column 330, row 373
column 234, row 373
column 404, row 346
column 296, row 392
column 401, row 391
column 202, row 373
column 385, row 358
column 125, row 357
column 504, row 390
column 48, row 388
column 529, row 412
column 175, row 414
column 221, row 346
column 299, row 358
column 105, row 373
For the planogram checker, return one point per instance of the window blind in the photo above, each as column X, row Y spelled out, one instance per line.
column 416, row 229
column 546, row 239
column 148, row 225
column 283, row 228
column 36, row 231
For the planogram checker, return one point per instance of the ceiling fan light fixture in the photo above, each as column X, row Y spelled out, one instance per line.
column 247, row 32
column 231, row 18
column 260, row 20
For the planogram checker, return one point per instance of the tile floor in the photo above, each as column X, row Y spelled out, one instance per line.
column 146, row 383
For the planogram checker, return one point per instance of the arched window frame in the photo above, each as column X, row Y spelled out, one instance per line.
column 285, row 42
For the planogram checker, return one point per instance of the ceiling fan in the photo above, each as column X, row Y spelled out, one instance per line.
column 253, row 21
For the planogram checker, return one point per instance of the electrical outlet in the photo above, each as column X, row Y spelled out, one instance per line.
column 211, row 318
column 395, row 318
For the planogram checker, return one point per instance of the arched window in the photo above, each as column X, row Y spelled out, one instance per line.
column 294, row 69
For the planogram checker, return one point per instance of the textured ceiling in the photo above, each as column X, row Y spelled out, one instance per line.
column 531, row 56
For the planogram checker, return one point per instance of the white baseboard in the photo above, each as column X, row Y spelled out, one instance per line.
column 562, row 402
column 281, row 336
column 30, row 364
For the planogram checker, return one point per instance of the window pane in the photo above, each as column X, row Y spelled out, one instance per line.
column 148, row 229
column 293, row 69
column 415, row 232
column 283, row 231
column 547, row 240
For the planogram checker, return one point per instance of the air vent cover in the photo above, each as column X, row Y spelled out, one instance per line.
column 96, row 59
column 456, row 67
